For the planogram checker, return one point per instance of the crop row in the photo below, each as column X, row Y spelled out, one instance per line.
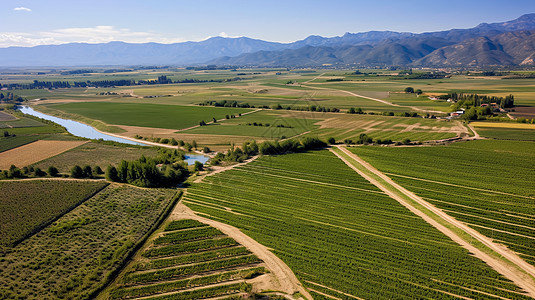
column 183, row 224
column 21, row 199
column 187, row 235
column 340, row 232
column 166, row 274
column 192, row 258
column 76, row 254
column 210, row 292
column 195, row 246
column 172, row 286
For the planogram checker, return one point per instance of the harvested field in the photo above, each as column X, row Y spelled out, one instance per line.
column 34, row 152
column 6, row 117
column 503, row 125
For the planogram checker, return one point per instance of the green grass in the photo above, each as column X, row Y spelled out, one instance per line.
column 333, row 228
column 75, row 256
column 507, row 133
column 28, row 206
column 486, row 184
column 294, row 124
column 16, row 141
column 147, row 115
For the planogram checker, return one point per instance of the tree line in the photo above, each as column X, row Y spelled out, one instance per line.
column 36, row 84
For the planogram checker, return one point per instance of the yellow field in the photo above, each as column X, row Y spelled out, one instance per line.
column 34, row 152
column 503, row 125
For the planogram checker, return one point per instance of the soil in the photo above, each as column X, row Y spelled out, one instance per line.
column 34, row 152
column 282, row 277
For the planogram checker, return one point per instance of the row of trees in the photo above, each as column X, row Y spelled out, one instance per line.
column 28, row 171
column 103, row 83
column 468, row 100
column 226, row 103
column 164, row 170
column 250, row 149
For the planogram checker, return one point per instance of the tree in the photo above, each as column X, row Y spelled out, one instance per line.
column 409, row 90
column 111, row 173
column 52, row 171
column 419, row 92
column 198, row 166
column 206, row 150
column 6, row 133
column 39, row 172
column 97, row 170
column 331, row 141
column 215, row 121
column 351, row 110
column 188, row 147
column 88, row 172
column 77, row 172
column 194, row 144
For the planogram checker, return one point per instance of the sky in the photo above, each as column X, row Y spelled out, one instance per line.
column 38, row 22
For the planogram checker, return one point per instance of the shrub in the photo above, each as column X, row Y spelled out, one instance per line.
column 198, row 166
column 77, row 172
column 52, row 171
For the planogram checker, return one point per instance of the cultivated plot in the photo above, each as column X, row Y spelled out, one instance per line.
column 341, row 235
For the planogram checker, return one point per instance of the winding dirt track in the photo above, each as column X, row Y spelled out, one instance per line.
column 375, row 99
column 516, row 270
column 286, row 280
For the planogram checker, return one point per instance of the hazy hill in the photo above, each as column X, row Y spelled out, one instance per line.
column 485, row 44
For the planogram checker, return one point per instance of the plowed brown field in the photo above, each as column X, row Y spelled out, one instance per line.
column 34, row 152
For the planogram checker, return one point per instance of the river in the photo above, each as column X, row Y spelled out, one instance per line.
column 88, row 132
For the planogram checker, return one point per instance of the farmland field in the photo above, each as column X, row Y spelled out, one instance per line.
column 506, row 131
column 75, row 256
column 93, row 154
column 25, row 130
column 6, row 117
column 189, row 260
column 33, row 152
column 340, row 234
column 486, row 184
column 148, row 115
column 29, row 205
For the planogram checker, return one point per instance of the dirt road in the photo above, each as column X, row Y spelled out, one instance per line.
column 378, row 100
column 515, row 268
column 285, row 278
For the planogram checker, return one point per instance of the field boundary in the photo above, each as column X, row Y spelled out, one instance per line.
column 45, row 224
column 500, row 258
column 112, row 276
column 287, row 281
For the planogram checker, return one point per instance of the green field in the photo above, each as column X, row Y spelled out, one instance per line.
column 340, row 234
column 22, row 199
column 26, row 130
column 294, row 124
column 75, row 256
column 93, row 154
column 186, row 262
column 507, row 133
column 147, row 115
column 487, row 184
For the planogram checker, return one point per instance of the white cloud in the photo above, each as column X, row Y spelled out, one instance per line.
column 21, row 9
column 97, row 34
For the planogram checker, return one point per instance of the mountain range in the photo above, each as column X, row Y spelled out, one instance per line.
column 509, row 43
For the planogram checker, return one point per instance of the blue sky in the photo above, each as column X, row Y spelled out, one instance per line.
column 34, row 22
